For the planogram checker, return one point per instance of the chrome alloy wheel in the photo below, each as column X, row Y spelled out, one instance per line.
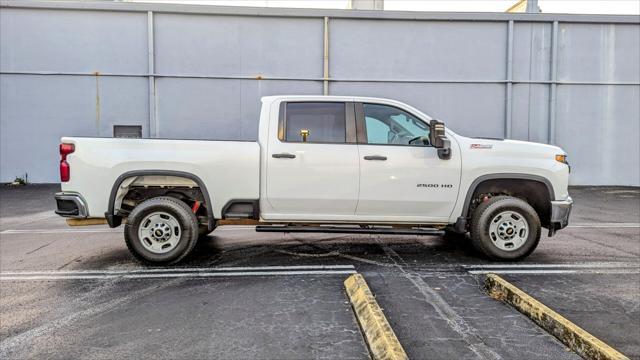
column 159, row 232
column 509, row 230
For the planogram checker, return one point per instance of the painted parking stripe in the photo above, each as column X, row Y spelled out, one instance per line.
column 177, row 272
column 555, row 272
column 172, row 275
column 604, row 225
column 191, row 269
column 101, row 230
column 542, row 269
column 58, row 231
column 595, row 265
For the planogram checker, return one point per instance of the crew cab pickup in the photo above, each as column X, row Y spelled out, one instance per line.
column 323, row 164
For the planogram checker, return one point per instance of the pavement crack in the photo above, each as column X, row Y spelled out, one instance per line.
column 357, row 258
column 301, row 254
column 69, row 262
column 36, row 249
column 312, row 243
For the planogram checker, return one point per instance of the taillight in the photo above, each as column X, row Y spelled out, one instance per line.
column 65, row 169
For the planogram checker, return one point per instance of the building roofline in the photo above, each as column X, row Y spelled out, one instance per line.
column 313, row 13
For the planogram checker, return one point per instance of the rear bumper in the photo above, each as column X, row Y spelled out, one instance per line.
column 71, row 205
column 560, row 211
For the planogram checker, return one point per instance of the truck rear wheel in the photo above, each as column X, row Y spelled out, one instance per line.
column 505, row 228
column 161, row 230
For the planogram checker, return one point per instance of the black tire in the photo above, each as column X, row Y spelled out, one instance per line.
column 188, row 230
column 481, row 222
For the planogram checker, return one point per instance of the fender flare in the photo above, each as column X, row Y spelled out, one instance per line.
column 505, row 176
column 114, row 220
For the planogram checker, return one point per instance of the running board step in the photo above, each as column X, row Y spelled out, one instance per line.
column 349, row 230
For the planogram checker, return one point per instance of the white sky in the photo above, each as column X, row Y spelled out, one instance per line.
column 547, row 6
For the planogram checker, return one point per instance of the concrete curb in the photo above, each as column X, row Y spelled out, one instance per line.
column 574, row 337
column 380, row 338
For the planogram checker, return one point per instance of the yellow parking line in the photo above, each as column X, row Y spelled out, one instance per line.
column 382, row 341
column 573, row 336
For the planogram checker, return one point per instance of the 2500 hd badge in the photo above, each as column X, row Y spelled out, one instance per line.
column 445, row 186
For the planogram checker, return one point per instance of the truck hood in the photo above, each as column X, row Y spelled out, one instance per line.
column 516, row 146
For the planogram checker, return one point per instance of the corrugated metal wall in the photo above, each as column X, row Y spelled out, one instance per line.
column 192, row 72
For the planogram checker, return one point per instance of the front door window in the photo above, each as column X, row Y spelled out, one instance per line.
column 392, row 126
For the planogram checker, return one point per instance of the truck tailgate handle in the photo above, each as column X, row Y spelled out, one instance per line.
column 284, row 156
column 375, row 157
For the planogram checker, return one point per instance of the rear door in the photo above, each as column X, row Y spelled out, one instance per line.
column 312, row 163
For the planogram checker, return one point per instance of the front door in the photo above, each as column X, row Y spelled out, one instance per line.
column 401, row 177
column 312, row 165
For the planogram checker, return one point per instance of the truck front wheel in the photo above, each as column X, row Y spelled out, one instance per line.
column 505, row 228
column 161, row 230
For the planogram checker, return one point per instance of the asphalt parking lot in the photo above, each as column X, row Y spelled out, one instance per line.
column 77, row 293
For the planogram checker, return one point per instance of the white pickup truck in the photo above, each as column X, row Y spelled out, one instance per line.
column 321, row 164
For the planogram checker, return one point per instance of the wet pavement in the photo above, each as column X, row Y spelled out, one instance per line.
column 605, row 305
column 76, row 292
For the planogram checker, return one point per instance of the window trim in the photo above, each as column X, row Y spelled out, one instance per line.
column 349, row 119
column 361, row 125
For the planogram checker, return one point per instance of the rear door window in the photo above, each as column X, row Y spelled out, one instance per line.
column 315, row 122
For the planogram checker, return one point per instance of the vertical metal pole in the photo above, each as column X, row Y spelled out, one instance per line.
column 325, row 58
column 554, row 84
column 508, row 102
column 366, row 5
column 153, row 125
column 532, row 6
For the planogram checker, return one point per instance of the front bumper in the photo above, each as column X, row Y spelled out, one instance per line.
column 71, row 205
column 560, row 211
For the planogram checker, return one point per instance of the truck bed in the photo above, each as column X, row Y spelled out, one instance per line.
column 230, row 169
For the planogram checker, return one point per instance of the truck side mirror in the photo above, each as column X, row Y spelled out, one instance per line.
column 438, row 139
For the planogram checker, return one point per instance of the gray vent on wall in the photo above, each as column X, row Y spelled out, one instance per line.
column 127, row 131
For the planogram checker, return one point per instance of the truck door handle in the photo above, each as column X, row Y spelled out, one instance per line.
column 284, row 156
column 375, row 157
